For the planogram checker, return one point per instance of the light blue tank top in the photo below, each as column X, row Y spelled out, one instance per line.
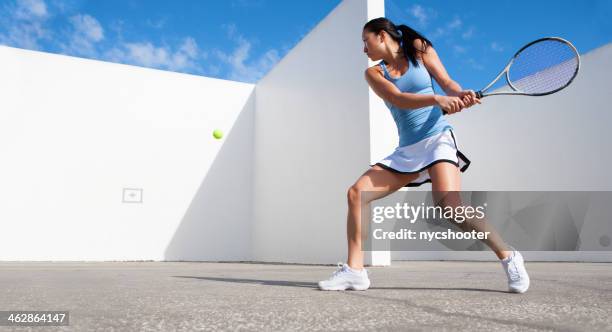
column 416, row 124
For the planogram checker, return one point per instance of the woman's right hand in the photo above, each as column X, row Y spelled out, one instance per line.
column 450, row 104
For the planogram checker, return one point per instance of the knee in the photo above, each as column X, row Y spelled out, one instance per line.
column 447, row 198
column 353, row 194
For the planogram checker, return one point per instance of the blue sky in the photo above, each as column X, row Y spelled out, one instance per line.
column 243, row 39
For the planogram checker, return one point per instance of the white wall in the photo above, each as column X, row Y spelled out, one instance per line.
column 555, row 142
column 75, row 132
column 312, row 141
column 383, row 133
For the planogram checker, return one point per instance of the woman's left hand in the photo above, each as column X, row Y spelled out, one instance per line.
column 469, row 98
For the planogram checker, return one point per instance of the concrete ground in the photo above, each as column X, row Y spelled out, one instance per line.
column 185, row 296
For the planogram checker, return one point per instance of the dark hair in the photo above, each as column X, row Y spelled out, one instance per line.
column 402, row 34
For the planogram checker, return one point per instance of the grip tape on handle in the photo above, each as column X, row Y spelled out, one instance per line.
column 478, row 95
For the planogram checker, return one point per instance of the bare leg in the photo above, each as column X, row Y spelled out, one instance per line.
column 379, row 183
column 446, row 183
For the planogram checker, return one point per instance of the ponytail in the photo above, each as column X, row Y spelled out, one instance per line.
column 402, row 34
column 407, row 35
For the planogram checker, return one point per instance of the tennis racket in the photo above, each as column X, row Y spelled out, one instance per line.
column 540, row 68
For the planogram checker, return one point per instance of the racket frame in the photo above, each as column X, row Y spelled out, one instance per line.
column 482, row 92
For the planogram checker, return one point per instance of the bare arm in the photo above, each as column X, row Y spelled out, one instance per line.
column 389, row 92
column 436, row 69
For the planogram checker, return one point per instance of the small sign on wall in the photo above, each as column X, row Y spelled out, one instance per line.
column 132, row 195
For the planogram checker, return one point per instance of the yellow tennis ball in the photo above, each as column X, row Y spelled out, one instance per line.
column 217, row 134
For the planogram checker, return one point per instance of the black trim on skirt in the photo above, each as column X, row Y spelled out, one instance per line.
column 460, row 155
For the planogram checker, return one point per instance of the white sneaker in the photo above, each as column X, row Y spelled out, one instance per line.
column 346, row 278
column 518, row 279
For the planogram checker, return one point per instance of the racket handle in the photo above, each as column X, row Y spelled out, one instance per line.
column 478, row 95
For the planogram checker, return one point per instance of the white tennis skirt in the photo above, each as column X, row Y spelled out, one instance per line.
column 418, row 157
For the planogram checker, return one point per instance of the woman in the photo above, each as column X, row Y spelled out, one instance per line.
column 427, row 150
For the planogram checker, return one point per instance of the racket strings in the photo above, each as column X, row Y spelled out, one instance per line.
column 544, row 67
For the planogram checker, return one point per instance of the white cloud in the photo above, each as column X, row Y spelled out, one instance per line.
column 459, row 49
column 26, row 36
column 147, row 54
column 230, row 29
column 451, row 26
column 25, row 24
column 467, row 34
column 421, row 14
column 189, row 47
column 455, row 23
column 476, row 65
column 496, row 47
column 437, row 33
column 29, row 9
column 157, row 24
column 85, row 32
column 88, row 27
column 241, row 67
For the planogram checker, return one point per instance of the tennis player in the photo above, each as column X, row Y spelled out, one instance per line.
column 428, row 149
